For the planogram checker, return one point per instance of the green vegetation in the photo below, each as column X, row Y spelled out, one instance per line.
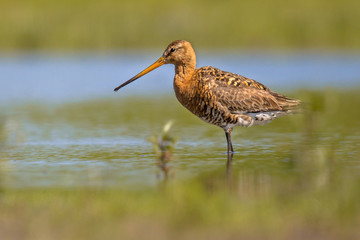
column 163, row 146
column 109, row 24
column 307, row 187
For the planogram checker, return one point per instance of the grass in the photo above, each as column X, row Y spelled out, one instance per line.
column 163, row 146
column 107, row 25
column 312, row 194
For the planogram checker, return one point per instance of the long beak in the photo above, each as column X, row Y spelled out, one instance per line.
column 158, row 63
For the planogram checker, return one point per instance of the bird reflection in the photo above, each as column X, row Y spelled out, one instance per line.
column 228, row 168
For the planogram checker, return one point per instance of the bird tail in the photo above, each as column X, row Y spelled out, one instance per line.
column 286, row 103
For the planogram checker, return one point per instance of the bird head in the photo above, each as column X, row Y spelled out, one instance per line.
column 177, row 52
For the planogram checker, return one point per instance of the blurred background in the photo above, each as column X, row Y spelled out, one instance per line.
column 71, row 50
column 75, row 157
column 108, row 25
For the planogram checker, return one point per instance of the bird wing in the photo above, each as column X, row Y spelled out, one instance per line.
column 240, row 94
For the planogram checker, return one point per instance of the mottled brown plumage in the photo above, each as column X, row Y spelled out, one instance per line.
column 221, row 98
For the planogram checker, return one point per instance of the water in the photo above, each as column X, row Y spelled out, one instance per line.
column 64, row 78
column 62, row 125
column 60, row 156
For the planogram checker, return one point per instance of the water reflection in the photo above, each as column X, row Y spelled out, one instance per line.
column 228, row 167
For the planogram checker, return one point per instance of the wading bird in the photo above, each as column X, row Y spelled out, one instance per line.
column 217, row 97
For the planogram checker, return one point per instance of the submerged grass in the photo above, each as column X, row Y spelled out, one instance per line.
column 312, row 193
column 163, row 147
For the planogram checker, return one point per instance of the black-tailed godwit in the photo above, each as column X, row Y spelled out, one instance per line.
column 217, row 97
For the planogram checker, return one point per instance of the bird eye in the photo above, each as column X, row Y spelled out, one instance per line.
column 172, row 50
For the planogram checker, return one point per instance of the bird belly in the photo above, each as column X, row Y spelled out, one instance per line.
column 214, row 117
column 207, row 112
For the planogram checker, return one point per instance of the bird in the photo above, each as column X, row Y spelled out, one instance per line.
column 221, row 98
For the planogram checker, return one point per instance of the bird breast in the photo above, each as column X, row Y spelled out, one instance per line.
column 197, row 97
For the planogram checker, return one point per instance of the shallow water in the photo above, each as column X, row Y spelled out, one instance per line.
column 104, row 143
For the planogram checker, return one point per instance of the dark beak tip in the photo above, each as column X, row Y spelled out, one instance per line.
column 117, row 88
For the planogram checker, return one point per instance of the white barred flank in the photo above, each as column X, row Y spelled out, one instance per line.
column 262, row 118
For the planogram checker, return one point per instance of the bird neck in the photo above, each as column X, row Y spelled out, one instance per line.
column 184, row 72
column 183, row 82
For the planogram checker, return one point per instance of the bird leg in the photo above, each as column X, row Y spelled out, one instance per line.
column 228, row 139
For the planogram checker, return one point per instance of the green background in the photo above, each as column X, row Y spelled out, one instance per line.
column 109, row 24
